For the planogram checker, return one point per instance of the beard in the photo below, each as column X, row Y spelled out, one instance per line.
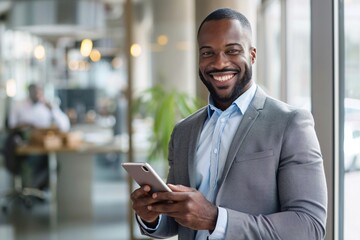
column 237, row 91
column 34, row 100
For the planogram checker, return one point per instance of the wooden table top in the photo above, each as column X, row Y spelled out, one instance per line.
column 82, row 148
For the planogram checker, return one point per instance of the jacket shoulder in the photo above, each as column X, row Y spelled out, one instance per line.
column 199, row 115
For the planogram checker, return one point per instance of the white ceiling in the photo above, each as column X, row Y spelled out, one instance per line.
column 111, row 24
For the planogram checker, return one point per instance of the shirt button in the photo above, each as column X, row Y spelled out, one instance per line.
column 215, row 150
column 222, row 120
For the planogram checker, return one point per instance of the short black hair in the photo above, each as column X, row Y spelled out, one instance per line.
column 32, row 86
column 227, row 13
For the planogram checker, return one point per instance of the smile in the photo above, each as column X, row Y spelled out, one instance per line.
column 222, row 78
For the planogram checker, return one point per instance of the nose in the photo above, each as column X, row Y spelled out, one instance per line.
column 220, row 60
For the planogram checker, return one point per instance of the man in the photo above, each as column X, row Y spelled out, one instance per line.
column 36, row 112
column 246, row 166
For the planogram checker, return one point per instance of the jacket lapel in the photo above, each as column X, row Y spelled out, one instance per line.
column 248, row 120
column 193, row 140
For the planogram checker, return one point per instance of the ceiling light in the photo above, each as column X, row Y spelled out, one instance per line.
column 86, row 47
column 95, row 55
column 162, row 40
column 11, row 88
column 135, row 50
column 39, row 52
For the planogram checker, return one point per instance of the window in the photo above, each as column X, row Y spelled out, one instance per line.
column 269, row 74
column 351, row 120
column 284, row 44
column 298, row 53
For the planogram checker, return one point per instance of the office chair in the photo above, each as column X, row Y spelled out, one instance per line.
column 13, row 164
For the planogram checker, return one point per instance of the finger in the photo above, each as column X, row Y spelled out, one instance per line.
column 173, row 196
column 145, row 214
column 164, row 208
column 146, row 188
column 179, row 188
column 140, row 192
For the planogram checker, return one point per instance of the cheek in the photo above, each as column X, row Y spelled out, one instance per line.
column 202, row 68
column 202, row 64
column 244, row 63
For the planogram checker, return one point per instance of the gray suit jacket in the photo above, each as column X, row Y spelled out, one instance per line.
column 273, row 184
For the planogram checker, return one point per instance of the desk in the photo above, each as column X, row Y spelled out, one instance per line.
column 71, row 187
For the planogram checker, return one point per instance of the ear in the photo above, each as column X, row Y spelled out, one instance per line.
column 252, row 54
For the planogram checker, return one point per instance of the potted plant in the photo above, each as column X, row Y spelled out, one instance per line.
column 166, row 107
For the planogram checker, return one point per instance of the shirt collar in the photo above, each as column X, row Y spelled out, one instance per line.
column 242, row 102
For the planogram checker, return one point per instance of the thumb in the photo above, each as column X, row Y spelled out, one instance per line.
column 179, row 188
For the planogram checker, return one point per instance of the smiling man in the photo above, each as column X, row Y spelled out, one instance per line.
column 246, row 166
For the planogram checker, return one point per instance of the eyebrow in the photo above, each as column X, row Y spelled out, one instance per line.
column 204, row 47
column 233, row 44
column 227, row 45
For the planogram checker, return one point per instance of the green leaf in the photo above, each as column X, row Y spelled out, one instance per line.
column 166, row 108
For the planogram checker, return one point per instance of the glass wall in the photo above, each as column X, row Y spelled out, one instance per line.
column 269, row 48
column 25, row 58
column 351, row 120
column 284, row 47
column 298, row 53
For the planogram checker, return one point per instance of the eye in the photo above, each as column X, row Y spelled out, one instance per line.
column 233, row 51
column 206, row 54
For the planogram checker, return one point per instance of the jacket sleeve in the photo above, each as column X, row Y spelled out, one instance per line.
column 167, row 228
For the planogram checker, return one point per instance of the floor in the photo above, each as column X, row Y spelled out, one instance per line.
column 110, row 199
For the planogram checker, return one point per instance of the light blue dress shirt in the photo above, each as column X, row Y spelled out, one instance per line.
column 218, row 132
column 211, row 153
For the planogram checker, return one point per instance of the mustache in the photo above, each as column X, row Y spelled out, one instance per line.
column 222, row 70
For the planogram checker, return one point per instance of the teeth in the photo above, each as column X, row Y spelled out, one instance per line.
column 223, row 78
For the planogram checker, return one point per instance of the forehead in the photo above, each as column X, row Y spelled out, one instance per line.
column 222, row 31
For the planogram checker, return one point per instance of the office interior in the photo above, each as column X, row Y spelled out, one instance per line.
column 96, row 58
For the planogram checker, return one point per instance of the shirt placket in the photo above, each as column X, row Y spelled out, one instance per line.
column 216, row 155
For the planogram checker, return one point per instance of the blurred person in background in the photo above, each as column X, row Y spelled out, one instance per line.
column 36, row 112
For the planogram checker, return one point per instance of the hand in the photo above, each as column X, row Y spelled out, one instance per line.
column 187, row 206
column 45, row 102
column 48, row 105
column 141, row 199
